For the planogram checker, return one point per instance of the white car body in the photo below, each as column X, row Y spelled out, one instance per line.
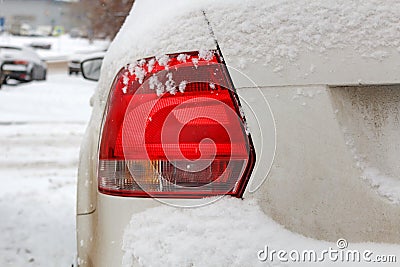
column 329, row 72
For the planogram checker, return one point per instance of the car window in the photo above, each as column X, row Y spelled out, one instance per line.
column 10, row 48
column 8, row 52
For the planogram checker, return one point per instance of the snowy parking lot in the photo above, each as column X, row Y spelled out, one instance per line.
column 41, row 127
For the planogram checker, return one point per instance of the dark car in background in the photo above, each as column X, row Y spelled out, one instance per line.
column 74, row 62
column 1, row 75
column 1, row 72
column 74, row 66
column 21, row 64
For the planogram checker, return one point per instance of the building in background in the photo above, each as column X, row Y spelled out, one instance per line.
column 40, row 16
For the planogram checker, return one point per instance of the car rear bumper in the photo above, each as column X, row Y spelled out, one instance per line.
column 74, row 67
column 17, row 75
column 100, row 234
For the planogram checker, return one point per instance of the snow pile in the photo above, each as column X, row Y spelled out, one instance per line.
column 229, row 232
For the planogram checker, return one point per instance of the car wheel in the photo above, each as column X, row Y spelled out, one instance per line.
column 32, row 75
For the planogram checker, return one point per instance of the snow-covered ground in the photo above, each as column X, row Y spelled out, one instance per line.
column 41, row 126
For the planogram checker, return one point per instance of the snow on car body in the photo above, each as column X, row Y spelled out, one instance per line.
column 326, row 154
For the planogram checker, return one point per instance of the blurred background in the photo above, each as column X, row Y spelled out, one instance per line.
column 79, row 18
column 44, row 110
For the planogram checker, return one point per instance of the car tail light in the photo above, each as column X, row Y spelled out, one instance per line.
column 21, row 62
column 174, row 128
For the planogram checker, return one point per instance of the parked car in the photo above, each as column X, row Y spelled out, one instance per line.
column 22, row 64
column 1, row 74
column 286, row 104
column 43, row 30
column 77, row 33
column 74, row 63
column 40, row 45
column 1, row 71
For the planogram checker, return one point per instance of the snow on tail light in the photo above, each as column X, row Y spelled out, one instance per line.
column 174, row 128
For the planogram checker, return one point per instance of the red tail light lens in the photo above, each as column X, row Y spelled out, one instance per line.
column 21, row 62
column 173, row 128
